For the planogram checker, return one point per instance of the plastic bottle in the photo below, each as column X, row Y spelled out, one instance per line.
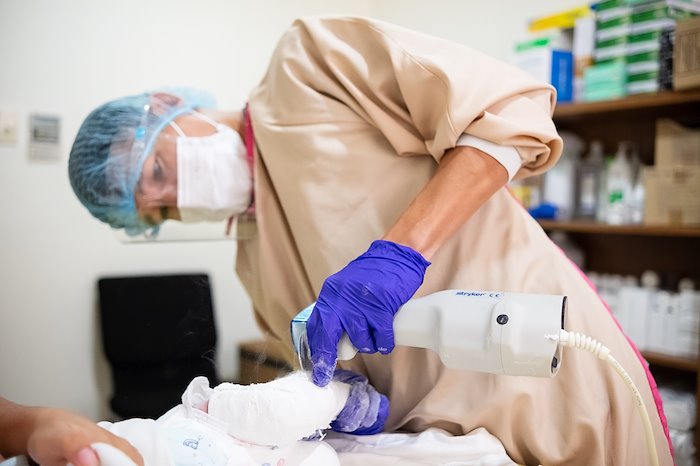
column 635, row 162
column 588, row 182
column 619, row 184
column 644, row 307
column 637, row 203
column 624, row 310
column 594, row 277
column 650, row 280
column 689, row 318
column 600, row 215
column 686, row 284
column 558, row 185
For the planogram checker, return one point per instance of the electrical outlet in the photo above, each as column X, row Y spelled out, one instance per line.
column 8, row 128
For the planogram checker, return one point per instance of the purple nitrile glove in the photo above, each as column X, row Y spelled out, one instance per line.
column 366, row 410
column 362, row 300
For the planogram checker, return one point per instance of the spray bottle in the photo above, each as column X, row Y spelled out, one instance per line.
column 619, row 184
column 588, row 182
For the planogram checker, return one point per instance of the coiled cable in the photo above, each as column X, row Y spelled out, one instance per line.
column 581, row 341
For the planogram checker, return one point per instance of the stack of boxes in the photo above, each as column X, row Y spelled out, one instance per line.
column 549, row 52
column 686, row 54
column 672, row 185
column 634, row 46
column 607, row 78
column 549, row 59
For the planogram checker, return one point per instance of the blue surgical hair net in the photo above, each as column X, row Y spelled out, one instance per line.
column 110, row 148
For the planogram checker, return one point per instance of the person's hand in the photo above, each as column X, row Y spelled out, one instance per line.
column 366, row 410
column 361, row 300
column 59, row 437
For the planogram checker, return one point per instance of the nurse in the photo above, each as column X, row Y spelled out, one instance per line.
column 375, row 152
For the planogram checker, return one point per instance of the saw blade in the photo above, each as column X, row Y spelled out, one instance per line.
column 305, row 354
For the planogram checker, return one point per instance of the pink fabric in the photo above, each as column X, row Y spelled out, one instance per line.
column 650, row 378
column 248, row 138
column 249, row 141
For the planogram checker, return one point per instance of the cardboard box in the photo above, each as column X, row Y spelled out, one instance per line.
column 549, row 65
column 676, row 145
column 561, row 20
column 604, row 81
column 671, row 195
column 261, row 361
column 583, row 46
column 686, row 55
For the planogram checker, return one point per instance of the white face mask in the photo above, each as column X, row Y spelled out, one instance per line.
column 213, row 176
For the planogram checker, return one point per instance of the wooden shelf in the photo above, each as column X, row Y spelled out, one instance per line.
column 632, row 249
column 579, row 226
column 675, row 362
column 644, row 101
column 632, row 118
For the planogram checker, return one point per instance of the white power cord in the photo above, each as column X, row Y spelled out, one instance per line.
column 578, row 340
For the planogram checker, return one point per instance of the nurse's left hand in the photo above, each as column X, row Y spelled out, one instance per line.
column 57, row 437
column 366, row 410
column 362, row 300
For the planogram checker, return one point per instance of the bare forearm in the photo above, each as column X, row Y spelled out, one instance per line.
column 465, row 180
column 15, row 426
column 53, row 436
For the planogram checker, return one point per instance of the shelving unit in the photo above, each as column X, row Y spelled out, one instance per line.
column 644, row 102
column 673, row 362
column 629, row 230
column 629, row 119
column 632, row 249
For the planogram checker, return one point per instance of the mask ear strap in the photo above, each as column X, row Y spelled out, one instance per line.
column 203, row 117
column 177, row 129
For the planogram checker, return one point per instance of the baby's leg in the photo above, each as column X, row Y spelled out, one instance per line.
column 146, row 435
column 277, row 413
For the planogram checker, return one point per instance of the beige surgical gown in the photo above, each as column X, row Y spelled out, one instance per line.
column 350, row 121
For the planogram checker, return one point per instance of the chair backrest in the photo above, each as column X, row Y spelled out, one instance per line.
column 158, row 332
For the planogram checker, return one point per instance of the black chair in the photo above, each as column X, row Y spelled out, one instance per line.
column 158, row 332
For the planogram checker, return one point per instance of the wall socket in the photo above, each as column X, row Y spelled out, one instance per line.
column 8, row 127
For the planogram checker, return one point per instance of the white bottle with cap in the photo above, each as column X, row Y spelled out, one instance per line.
column 641, row 308
column 654, row 301
column 588, row 182
column 688, row 318
column 619, row 184
column 626, row 300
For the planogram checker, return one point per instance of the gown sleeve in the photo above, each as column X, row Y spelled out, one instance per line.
column 421, row 92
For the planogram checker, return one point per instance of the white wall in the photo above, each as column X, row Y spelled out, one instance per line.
column 491, row 26
column 66, row 57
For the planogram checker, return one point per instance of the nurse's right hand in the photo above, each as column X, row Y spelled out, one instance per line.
column 56, row 437
column 361, row 300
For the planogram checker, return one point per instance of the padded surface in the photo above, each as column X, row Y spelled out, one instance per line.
column 158, row 333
